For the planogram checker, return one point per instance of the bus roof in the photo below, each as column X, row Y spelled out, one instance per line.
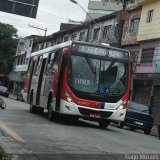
column 49, row 49
column 64, row 44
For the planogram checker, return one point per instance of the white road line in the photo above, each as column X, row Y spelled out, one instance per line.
column 10, row 132
column 12, row 115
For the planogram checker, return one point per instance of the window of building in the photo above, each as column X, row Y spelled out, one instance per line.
column 24, row 58
column 27, row 61
column 150, row 16
column 30, row 43
column 96, row 33
column 38, row 66
column 134, row 25
column 21, row 60
column 66, row 38
column 48, row 44
column 82, row 36
column 106, row 31
column 147, row 55
column 41, row 46
column 74, row 36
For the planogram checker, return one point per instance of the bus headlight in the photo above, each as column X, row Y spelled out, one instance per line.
column 68, row 97
column 122, row 106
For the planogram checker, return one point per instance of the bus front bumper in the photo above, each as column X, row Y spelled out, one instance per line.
column 93, row 113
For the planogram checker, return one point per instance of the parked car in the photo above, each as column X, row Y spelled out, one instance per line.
column 20, row 96
column 137, row 117
column 4, row 91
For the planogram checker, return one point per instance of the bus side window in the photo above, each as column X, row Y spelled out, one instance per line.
column 56, row 62
column 38, row 66
column 48, row 69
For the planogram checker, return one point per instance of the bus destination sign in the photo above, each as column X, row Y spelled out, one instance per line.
column 94, row 50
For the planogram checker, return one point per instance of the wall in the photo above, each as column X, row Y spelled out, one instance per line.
column 148, row 31
column 128, row 36
column 158, row 60
column 150, row 68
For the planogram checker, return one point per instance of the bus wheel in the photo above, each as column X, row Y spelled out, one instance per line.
column 120, row 124
column 32, row 107
column 40, row 110
column 50, row 113
column 104, row 124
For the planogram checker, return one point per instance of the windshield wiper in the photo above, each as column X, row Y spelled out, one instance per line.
column 90, row 64
column 111, row 64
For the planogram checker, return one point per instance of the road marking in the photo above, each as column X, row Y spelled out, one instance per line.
column 26, row 124
column 10, row 132
column 10, row 115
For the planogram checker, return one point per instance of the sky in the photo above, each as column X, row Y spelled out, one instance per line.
column 50, row 14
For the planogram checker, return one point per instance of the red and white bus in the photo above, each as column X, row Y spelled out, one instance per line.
column 80, row 79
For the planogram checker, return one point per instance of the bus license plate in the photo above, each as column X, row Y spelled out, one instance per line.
column 139, row 123
column 95, row 115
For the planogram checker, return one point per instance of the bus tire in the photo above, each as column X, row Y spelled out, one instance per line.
column 50, row 112
column 32, row 107
column 40, row 110
column 104, row 124
column 120, row 124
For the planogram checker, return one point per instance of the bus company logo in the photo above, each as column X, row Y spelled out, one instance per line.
column 83, row 103
column 96, row 104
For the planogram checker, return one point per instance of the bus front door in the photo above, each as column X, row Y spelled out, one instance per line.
column 40, row 82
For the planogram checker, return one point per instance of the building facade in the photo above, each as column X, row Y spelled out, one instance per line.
column 147, row 71
column 21, row 62
column 99, row 8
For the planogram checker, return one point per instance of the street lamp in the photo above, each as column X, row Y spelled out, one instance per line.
column 75, row 2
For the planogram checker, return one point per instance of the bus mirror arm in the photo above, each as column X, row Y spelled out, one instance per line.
column 66, row 59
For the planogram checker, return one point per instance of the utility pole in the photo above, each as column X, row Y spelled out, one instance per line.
column 122, row 18
column 36, row 27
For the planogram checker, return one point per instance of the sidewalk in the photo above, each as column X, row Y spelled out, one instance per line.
column 154, row 131
column 12, row 96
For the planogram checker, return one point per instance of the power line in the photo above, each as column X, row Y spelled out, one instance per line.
column 36, row 27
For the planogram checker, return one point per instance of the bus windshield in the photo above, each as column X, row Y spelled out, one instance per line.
column 97, row 76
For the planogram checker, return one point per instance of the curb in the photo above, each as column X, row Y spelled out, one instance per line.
column 154, row 131
column 12, row 96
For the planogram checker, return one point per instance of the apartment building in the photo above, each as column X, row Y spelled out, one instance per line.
column 99, row 8
column 21, row 62
column 147, row 70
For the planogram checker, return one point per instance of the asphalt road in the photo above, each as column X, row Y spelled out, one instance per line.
column 31, row 134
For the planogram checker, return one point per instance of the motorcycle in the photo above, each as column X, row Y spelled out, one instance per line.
column 2, row 103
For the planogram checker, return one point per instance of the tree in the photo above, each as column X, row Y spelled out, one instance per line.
column 8, row 43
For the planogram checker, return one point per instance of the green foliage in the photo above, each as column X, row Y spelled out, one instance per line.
column 8, row 44
column 4, row 155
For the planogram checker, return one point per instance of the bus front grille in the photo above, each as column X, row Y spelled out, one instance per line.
column 88, row 112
